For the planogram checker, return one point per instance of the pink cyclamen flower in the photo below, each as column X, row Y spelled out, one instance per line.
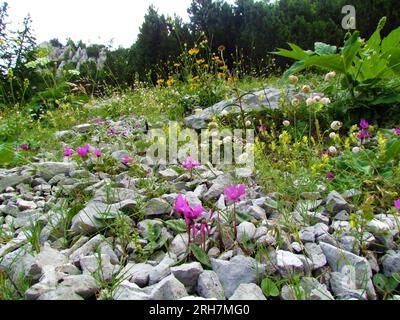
column 97, row 153
column 330, row 175
column 83, row 151
column 124, row 134
column 235, row 193
column 190, row 163
column 397, row 131
column 364, row 124
column 397, row 204
column 362, row 134
column 24, row 147
column 204, row 228
column 262, row 128
column 126, row 159
column 111, row 131
column 190, row 213
column 68, row 152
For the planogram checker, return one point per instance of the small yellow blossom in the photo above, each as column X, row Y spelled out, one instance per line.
column 193, row 51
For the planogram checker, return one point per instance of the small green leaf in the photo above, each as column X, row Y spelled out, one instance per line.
column 269, row 288
column 200, row 255
column 381, row 282
column 177, row 226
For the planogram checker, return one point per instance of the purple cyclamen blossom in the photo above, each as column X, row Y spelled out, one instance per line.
column 126, row 159
column 97, row 152
column 362, row 134
column 111, row 131
column 396, row 131
column 190, row 213
column 24, row 147
column 68, row 152
column 124, row 134
column 364, row 124
column 235, row 193
column 83, row 151
column 397, row 204
column 330, row 175
column 262, row 128
column 190, row 163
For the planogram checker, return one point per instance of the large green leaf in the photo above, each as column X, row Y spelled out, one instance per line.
column 392, row 149
column 269, row 288
column 391, row 41
column 7, row 154
column 351, row 49
column 321, row 48
column 200, row 255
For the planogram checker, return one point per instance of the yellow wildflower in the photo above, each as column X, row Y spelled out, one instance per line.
column 160, row 81
column 170, row 81
column 193, row 51
column 200, row 61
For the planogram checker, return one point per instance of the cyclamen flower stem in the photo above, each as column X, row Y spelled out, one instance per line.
column 188, row 232
column 234, row 220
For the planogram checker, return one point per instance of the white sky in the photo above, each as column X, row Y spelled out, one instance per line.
column 93, row 21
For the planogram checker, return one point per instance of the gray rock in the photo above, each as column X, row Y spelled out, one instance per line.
column 245, row 231
column 129, row 291
column 307, row 234
column 98, row 265
column 200, row 190
column 209, row 286
column 179, row 245
column 270, row 98
column 82, row 128
column 289, row 263
column 243, row 172
column 145, row 225
column 61, row 293
column 338, row 259
column 168, row 174
column 93, row 216
column 162, row 270
column 350, row 244
column 391, row 263
column 336, row 203
column 66, row 134
column 344, row 287
column 342, row 215
column 248, row 291
column 38, row 289
column 137, row 273
column 316, row 255
column 84, row 247
column 156, row 207
column 51, row 169
column 168, row 288
column 215, row 190
column 12, row 180
column 26, row 205
column 188, row 274
column 238, row 270
column 257, row 212
column 315, row 290
column 84, row 285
